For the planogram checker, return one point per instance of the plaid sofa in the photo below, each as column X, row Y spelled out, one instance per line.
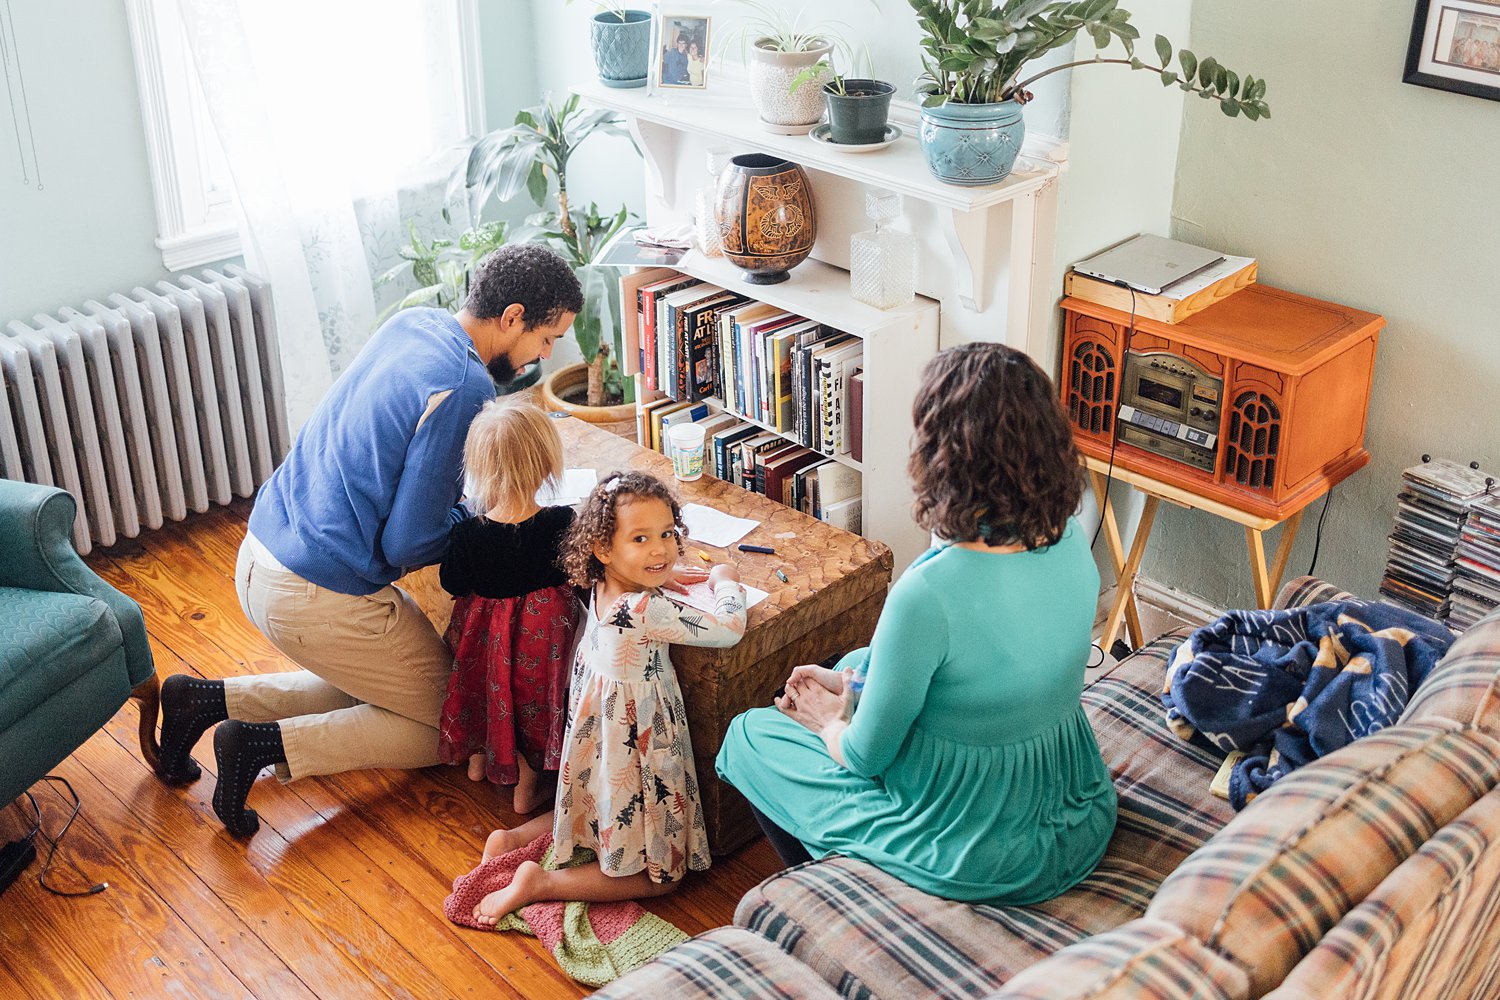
column 1372, row 872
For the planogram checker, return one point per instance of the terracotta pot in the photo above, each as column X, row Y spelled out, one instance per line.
column 765, row 213
column 562, row 388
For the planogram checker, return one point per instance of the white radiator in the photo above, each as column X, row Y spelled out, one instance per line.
column 148, row 406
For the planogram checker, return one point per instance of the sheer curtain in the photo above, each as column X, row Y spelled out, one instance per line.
column 330, row 113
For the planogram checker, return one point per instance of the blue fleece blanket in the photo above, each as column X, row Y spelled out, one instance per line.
column 1287, row 687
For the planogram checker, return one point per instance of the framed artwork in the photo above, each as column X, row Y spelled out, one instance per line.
column 682, row 55
column 1455, row 45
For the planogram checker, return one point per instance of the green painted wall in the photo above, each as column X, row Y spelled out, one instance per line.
column 90, row 229
column 1367, row 191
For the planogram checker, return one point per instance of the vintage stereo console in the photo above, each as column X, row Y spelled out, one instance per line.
column 1258, row 401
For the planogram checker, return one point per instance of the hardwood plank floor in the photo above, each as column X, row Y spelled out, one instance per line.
column 338, row 895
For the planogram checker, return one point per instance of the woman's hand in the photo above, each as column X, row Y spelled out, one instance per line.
column 833, row 680
column 684, row 577
column 813, row 704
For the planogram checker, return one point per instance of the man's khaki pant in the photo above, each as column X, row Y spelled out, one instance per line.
column 375, row 673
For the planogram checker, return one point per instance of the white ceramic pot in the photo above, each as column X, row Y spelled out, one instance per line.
column 771, row 76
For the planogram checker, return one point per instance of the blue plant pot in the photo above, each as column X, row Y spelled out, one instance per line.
column 622, row 49
column 972, row 144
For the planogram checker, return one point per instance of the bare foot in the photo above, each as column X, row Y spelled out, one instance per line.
column 528, row 795
column 476, row 767
column 521, row 892
column 503, row 842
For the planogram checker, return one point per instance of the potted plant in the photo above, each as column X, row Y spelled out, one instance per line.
column 782, row 49
column 973, row 56
column 621, row 40
column 533, row 154
column 858, row 108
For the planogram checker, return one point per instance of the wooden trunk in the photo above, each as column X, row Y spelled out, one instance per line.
column 836, row 586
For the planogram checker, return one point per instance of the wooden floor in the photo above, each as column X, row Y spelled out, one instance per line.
column 338, row 895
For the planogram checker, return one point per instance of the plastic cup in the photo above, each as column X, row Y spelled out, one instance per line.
column 686, row 442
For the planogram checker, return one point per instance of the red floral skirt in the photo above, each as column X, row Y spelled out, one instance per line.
column 508, row 693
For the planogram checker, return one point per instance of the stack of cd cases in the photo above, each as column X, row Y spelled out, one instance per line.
column 1431, row 512
column 1476, row 580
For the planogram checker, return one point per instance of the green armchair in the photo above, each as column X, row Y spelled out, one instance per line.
column 72, row 648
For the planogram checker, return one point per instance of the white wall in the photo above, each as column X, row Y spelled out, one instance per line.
column 1362, row 190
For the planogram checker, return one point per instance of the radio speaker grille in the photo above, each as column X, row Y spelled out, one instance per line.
column 1254, row 440
column 1091, row 388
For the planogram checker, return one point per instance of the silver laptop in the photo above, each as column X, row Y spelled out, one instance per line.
column 1148, row 263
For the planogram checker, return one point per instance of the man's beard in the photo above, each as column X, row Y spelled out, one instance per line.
column 501, row 370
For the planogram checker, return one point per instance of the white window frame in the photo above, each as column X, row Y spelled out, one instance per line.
column 197, row 220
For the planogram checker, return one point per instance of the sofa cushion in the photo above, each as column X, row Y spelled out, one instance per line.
column 50, row 640
column 1143, row 960
column 1286, row 869
column 1431, row 929
column 1309, row 590
column 1465, row 685
column 1165, row 811
column 727, row 963
column 871, row 935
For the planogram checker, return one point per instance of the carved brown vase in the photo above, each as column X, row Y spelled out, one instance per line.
column 765, row 214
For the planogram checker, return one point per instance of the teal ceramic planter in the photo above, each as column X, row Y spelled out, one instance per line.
column 972, row 144
column 622, row 49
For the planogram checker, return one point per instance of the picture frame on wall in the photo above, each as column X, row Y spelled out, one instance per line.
column 682, row 50
column 1455, row 45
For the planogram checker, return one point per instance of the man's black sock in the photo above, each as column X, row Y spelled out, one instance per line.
column 243, row 750
column 189, row 705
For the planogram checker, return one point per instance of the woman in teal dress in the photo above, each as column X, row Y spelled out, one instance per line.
column 953, row 752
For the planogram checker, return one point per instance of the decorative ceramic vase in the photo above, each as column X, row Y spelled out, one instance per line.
column 771, row 76
column 972, row 144
column 622, row 49
column 765, row 213
column 858, row 115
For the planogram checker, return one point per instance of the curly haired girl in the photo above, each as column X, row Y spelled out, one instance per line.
column 627, row 789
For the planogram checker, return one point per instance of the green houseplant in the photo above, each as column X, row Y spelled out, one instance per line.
column 533, row 154
column 783, row 48
column 975, row 52
column 858, row 107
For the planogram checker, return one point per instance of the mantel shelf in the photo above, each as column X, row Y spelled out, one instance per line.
column 901, row 167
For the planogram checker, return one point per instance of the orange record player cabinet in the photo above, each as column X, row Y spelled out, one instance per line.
column 1259, row 401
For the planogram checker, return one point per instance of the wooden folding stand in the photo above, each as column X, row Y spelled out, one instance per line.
column 1267, row 579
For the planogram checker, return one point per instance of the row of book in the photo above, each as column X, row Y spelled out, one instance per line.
column 762, row 461
column 1444, row 559
column 795, row 376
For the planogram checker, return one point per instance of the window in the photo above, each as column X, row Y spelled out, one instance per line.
column 197, row 218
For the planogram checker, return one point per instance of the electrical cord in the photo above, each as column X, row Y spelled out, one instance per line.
column 1318, row 536
column 1114, row 440
column 1114, row 420
column 55, row 842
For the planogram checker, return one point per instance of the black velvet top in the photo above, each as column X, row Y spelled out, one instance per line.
column 497, row 560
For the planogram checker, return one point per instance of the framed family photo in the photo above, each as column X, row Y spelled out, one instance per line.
column 683, row 52
column 1455, row 45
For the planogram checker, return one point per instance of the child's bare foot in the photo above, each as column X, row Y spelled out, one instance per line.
column 476, row 767
column 503, row 842
column 528, row 795
column 521, row 892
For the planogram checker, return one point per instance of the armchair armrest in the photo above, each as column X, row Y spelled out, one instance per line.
column 35, row 554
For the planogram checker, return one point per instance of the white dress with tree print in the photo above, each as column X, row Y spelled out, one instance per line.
column 627, row 788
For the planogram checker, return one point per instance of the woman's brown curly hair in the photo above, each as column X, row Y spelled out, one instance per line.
column 993, row 457
column 595, row 523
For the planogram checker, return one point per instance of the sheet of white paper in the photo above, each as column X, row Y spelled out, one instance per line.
column 701, row 596
column 714, row 527
column 576, row 484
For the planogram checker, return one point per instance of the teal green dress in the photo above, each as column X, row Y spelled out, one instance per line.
column 972, row 771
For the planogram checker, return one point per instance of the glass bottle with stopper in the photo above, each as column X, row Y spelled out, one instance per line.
column 705, row 222
column 883, row 261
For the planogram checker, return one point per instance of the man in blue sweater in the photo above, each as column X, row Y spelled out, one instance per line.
column 367, row 493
